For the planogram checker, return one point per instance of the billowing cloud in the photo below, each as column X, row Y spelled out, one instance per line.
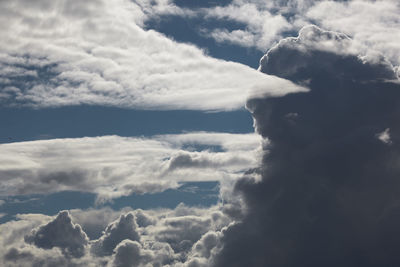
column 61, row 233
column 124, row 228
column 57, row 53
column 208, row 242
column 130, row 253
column 371, row 24
column 329, row 192
column 112, row 166
column 124, row 242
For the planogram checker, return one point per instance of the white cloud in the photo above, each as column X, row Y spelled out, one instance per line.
column 56, row 53
column 385, row 136
column 373, row 24
column 262, row 28
column 112, row 166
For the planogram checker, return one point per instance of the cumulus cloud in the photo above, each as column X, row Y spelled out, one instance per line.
column 94, row 221
column 112, row 166
column 324, row 43
column 57, row 53
column 124, row 228
column 124, row 242
column 130, row 253
column 208, row 242
column 61, row 233
column 329, row 189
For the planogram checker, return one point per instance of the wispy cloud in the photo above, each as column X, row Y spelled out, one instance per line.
column 56, row 53
column 112, row 166
column 372, row 24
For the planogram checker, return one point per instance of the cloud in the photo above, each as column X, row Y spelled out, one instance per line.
column 124, row 242
column 182, row 232
column 208, row 242
column 124, row 228
column 112, row 166
column 329, row 189
column 14, row 254
column 26, row 257
column 260, row 24
column 324, row 43
column 130, row 253
column 61, row 233
column 385, row 136
column 262, row 27
column 94, row 221
column 372, row 24
column 57, row 53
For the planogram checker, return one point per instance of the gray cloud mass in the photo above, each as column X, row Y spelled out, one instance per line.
column 329, row 194
column 61, row 233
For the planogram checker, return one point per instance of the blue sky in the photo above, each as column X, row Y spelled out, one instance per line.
column 164, row 111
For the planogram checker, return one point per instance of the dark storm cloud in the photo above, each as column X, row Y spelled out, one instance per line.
column 61, row 233
column 330, row 189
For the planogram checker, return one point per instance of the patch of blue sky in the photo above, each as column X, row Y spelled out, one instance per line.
column 190, row 30
column 24, row 124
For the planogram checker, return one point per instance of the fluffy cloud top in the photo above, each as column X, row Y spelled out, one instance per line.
column 61, row 233
column 124, row 241
column 372, row 24
column 112, row 166
column 130, row 253
column 56, row 53
column 124, row 228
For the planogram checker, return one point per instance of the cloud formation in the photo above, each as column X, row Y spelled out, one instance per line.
column 329, row 189
column 61, row 233
column 261, row 24
column 57, row 53
column 112, row 166
column 124, row 242
column 124, row 228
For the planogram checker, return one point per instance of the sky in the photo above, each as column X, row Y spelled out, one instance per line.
column 196, row 133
